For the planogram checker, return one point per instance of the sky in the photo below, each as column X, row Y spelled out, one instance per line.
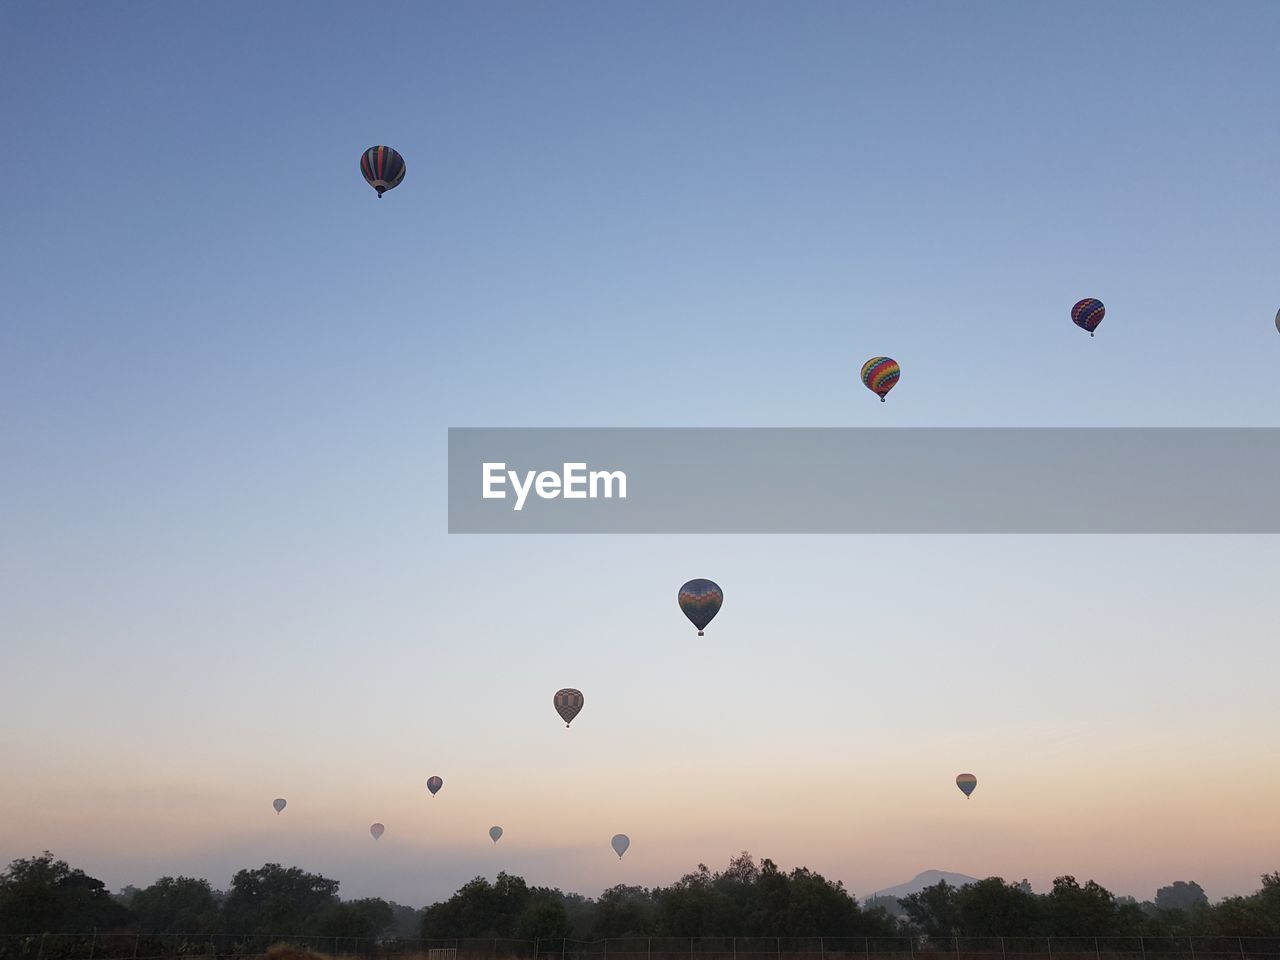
column 227, row 371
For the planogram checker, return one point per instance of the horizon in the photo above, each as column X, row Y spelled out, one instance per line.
column 231, row 369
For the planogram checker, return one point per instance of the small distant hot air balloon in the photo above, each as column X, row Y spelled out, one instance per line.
column 495, row 833
column 966, row 782
column 383, row 168
column 568, row 703
column 881, row 374
column 1088, row 313
column 434, row 784
column 1278, row 320
column 279, row 804
column 620, row 842
column 376, row 830
column 701, row 601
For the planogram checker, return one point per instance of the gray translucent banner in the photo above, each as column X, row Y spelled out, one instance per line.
column 864, row 480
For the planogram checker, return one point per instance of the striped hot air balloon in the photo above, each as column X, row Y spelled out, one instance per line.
column 966, row 782
column 1088, row 313
column 383, row 168
column 434, row 784
column 701, row 601
column 568, row 703
column 881, row 374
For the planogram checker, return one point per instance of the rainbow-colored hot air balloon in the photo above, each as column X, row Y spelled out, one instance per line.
column 966, row 782
column 434, row 784
column 1088, row 313
column 881, row 374
column 701, row 601
column 568, row 703
column 383, row 168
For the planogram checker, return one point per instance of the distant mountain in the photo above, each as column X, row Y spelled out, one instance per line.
column 922, row 880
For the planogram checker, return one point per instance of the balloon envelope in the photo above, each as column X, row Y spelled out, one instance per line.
column 383, row 168
column 620, row 842
column 568, row 703
column 376, row 829
column 495, row 833
column 278, row 803
column 1278, row 320
column 701, row 601
column 1088, row 313
column 881, row 375
column 966, row 782
column 434, row 784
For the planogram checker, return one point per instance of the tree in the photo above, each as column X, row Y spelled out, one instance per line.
column 623, row 911
column 406, row 921
column 43, row 895
column 176, row 905
column 275, row 899
column 1181, row 895
column 934, row 910
column 993, row 908
column 362, row 919
column 1076, row 911
column 542, row 919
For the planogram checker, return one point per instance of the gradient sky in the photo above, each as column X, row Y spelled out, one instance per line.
column 227, row 371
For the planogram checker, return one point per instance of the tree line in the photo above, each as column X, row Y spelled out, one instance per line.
column 747, row 898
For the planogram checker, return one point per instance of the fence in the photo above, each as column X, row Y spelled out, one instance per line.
column 139, row 946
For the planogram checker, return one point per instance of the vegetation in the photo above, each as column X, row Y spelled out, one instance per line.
column 747, row 899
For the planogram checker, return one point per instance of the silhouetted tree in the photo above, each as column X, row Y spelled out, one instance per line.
column 363, row 919
column 44, row 895
column 543, row 918
column 933, row 910
column 276, row 899
column 1076, row 911
column 1181, row 895
column 177, row 905
column 993, row 908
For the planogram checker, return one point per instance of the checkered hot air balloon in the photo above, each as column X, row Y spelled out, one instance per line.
column 568, row 702
column 434, row 784
column 383, row 168
column 966, row 782
column 1088, row 313
column 701, row 601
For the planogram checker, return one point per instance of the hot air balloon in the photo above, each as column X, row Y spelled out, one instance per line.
column 881, row 374
column 495, row 833
column 1088, row 313
column 700, row 600
column 620, row 842
column 568, row 703
column 279, row 804
column 434, row 784
column 376, row 830
column 383, row 168
column 966, row 782
column 1278, row 320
